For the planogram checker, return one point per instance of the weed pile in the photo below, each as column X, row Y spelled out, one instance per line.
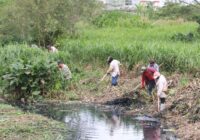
column 187, row 101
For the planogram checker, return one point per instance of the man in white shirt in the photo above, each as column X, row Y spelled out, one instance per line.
column 113, row 70
column 161, row 84
column 52, row 49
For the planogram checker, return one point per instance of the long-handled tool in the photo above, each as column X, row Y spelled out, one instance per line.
column 103, row 77
column 98, row 83
column 136, row 87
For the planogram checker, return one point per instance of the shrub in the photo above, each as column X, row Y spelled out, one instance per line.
column 42, row 21
column 182, row 37
column 177, row 10
column 119, row 19
column 29, row 79
column 29, row 72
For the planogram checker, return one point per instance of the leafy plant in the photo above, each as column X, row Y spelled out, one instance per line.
column 182, row 37
column 29, row 79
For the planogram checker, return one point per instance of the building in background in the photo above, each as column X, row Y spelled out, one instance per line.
column 130, row 4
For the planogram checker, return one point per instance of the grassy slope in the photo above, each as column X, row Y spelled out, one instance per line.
column 17, row 125
column 134, row 44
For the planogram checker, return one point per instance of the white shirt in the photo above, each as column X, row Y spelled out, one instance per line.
column 66, row 72
column 114, row 65
column 53, row 49
column 161, row 84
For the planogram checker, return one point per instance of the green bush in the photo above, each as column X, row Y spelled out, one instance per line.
column 183, row 37
column 42, row 21
column 29, row 79
column 119, row 19
column 177, row 10
column 29, row 72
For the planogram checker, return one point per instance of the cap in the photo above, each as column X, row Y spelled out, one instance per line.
column 143, row 68
column 109, row 59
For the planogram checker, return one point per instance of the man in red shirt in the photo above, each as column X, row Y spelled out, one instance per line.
column 148, row 79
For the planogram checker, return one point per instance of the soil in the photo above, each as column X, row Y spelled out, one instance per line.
column 182, row 108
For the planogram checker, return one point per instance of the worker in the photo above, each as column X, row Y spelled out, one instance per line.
column 52, row 49
column 161, row 84
column 113, row 70
column 65, row 70
column 152, row 64
column 148, row 79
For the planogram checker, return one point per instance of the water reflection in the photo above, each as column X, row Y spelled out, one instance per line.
column 152, row 133
column 114, row 123
column 101, row 123
column 95, row 124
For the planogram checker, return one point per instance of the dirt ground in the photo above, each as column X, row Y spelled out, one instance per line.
column 182, row 108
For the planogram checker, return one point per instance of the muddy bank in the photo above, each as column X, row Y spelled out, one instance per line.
column 182, row 109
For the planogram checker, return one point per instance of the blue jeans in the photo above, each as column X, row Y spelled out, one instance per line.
column 114, row 80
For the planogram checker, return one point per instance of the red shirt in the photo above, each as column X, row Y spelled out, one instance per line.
column 147, row 75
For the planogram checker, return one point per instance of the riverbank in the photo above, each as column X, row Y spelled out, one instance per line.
column 18, row 125
column 182, row 109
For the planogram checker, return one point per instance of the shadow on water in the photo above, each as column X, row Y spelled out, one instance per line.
column 95, row 122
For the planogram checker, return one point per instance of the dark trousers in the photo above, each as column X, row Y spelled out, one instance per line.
column 150, row 86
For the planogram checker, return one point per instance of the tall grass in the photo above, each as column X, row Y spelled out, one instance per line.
column 135, row 44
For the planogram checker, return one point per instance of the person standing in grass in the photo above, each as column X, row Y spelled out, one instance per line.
column 148, row 79
column 152, row 64
column 161, row 84
column 113, row 70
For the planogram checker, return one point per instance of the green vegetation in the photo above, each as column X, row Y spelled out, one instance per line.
column 133, row 39
column 178, row 10
column 16, row 124
column 132, row 45
column 29, row 72
column 119, row 19
column 42, row 21
column 84, row 38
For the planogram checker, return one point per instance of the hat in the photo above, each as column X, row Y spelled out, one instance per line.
column 143, row 68
column 109, row 59
column 156, row 75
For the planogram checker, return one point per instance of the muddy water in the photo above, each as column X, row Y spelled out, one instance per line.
column 92, row 122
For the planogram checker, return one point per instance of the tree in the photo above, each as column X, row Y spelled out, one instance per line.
column 41, row 21
column 195, row 3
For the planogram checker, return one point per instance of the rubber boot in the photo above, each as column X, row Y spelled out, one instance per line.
column 162, row 107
